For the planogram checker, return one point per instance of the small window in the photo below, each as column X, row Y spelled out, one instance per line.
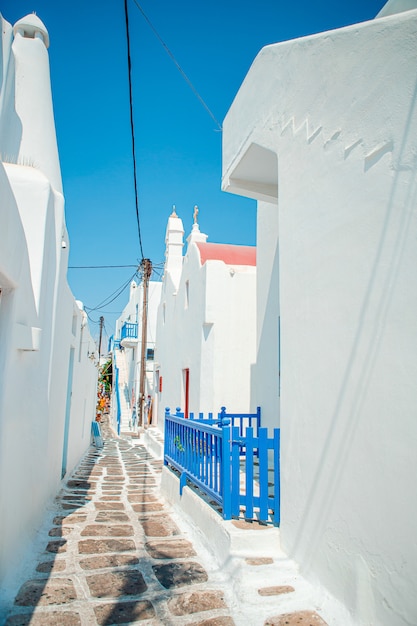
column 74, row 324
column 150, row 352
column 187, row 293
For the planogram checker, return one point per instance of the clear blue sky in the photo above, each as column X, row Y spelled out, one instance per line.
column 178, row 145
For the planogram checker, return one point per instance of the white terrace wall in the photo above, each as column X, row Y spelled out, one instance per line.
column 44, row 423
column 325, row 128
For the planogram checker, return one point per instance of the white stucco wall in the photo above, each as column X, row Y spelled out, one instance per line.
column 132, row 313
column 39, row 319
column 331, row 120
column 265, row 379
column 211, row 332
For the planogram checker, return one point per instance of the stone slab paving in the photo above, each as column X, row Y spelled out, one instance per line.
column 116, row 555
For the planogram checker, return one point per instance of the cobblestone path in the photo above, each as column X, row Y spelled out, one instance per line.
column 115, row 555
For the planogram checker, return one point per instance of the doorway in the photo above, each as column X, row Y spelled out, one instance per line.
column 67, row 413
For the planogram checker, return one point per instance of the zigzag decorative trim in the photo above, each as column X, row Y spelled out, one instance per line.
column 370, row 159
column 310, row 134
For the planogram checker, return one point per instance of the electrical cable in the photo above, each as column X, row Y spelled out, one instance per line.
column 157, row 273
column 96, row 267
column 132, row 128
column 91, row 319
column 110, row 298
column 184, row 75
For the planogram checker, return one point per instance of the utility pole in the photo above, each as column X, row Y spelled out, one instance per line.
column 146, row 267
column 99, row 341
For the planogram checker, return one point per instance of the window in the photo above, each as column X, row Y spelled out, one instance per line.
column 187, row 293
column 74, row 324
column 150, row 353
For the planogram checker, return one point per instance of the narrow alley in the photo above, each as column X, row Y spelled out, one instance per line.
column 118, row 553
column 114, row 553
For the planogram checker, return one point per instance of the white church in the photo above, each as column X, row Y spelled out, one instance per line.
column 205, row 334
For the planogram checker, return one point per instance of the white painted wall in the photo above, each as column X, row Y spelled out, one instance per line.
column 265, row 379
column 211, row 332
column 40, row 321
column 326, row 127
column 132, row 313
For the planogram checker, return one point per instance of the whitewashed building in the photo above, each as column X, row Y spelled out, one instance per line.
column 129, row 359
column 205, row 346
column 47, row 356
column 323, row 133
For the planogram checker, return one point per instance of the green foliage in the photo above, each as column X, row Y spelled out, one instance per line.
column 106, row 376
column 178, row 444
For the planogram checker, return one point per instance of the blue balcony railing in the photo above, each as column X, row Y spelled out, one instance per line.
column 129, row 331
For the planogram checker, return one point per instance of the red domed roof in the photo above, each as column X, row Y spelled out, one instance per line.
column 229, row 254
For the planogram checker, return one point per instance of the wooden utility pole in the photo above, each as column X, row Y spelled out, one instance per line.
column 146, row 267
column 101, row 334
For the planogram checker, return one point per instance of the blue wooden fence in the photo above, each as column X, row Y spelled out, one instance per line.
column 242, row 420
column 234, row 465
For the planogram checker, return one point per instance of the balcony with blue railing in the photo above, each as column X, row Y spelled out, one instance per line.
column 129, row 335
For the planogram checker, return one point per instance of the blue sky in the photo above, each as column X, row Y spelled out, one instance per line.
column 178, row 146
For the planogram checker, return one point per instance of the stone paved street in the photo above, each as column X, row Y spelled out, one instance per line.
column 115, row 555
column 118, row 553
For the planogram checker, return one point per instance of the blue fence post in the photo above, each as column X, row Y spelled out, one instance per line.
column 277, row 477
column 225, row 468
column 167, row 437
column 235, row 461
column 263, row 473
column 249, row 459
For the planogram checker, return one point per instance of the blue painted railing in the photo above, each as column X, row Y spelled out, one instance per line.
column 113, row 344
column 242, row 420
column 129, row 331
column 234, row 469
column 194, row 449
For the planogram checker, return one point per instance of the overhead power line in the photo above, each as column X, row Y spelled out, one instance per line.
column 113, row 296
column 96, row 267
column 183, row 74
column 132, row 127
